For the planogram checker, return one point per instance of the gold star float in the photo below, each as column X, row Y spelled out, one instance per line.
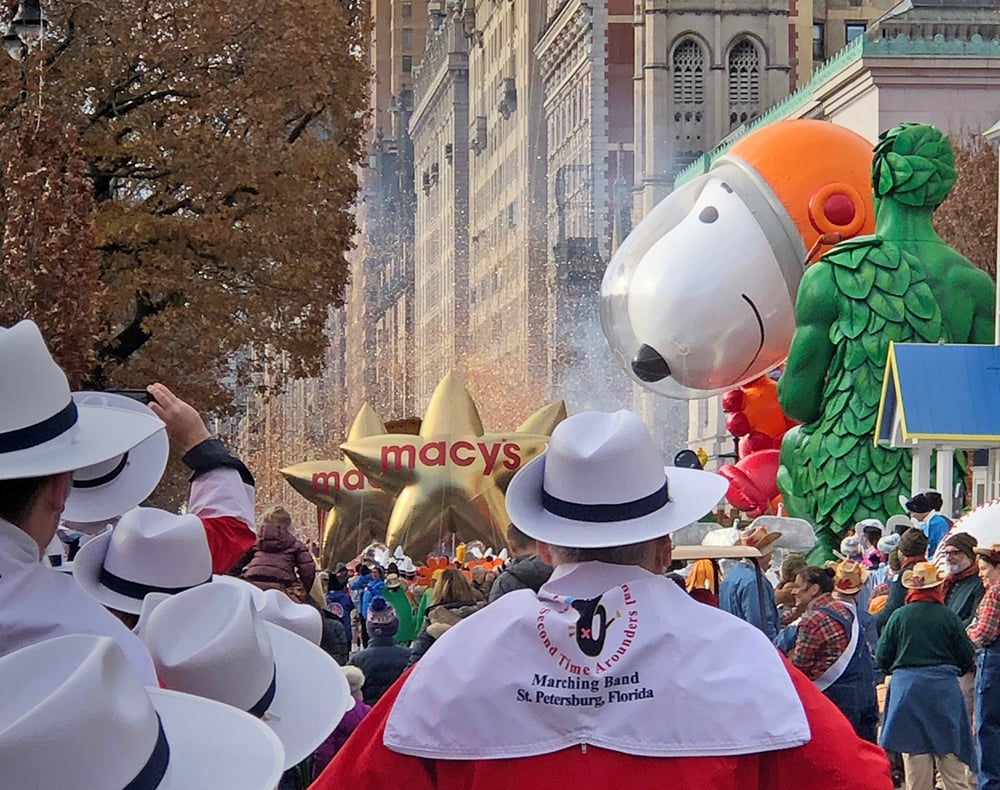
column 358, row 511
column 451, row 477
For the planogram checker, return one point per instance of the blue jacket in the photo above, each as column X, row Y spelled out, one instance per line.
column 934, row 528
column 738, row 595
column 375, row 587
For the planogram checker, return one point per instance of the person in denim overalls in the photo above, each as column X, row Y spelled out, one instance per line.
column 984, row 632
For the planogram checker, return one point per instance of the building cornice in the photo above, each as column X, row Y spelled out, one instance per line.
column 956, row 45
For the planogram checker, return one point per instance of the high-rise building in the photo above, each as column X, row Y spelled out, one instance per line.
column 507, row 168
column 381, row 330
column 586, row 56
column 439, row 127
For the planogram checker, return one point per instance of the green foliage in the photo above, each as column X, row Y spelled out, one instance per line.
column 915, row 164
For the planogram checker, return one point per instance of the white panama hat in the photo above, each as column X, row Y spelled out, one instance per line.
column 106, row 490
column 256, row 593
column 212, row 642
column 601, row 482
column 97, row 728
column 299, row 618
column 42, row 430
column 150, row 550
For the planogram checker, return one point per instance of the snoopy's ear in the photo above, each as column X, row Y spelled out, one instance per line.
column 837, row 208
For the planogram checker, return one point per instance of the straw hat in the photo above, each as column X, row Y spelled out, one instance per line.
column 850, row 578
column 759, row 538
column 992, row 552
column 601, row 482
column 923, row 576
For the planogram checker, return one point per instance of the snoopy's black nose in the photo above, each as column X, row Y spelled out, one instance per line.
column 648, row 365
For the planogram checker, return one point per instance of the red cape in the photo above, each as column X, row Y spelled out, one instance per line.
column 834, row 758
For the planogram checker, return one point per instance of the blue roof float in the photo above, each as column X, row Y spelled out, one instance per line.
column 941, row 393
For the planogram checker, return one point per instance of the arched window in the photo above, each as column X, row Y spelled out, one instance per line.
column 744, row 74
column 689, row 73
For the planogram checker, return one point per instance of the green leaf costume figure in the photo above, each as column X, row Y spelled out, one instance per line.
column 902, row 284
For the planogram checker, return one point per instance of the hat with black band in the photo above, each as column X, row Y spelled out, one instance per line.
column 43, row 431
column 601, row 482
column 150, row 551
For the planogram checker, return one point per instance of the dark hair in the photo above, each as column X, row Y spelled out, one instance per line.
column 18, row 496
column 393, row 568
column 934, row 499
column 814, row 574
column 517, row 538
column 990, row 559
column 872, row 534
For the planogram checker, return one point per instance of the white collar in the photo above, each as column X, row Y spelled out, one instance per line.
column 582, row 662
column 24, row 546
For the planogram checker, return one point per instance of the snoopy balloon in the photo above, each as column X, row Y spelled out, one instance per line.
column 700, row 297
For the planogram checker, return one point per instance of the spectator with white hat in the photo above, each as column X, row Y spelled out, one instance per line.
column 212, row 642
column 44, row 437
column 149, row 551
column 611, row 673
column 75, row 715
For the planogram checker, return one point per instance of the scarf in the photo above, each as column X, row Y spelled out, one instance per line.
column 952, row 578
column 933, row 594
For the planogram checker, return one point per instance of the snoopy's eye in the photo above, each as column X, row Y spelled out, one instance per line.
column 726, row 187
column 709, row 214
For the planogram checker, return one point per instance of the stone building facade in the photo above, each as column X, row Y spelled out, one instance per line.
column 933, row 62
column 701, row 74
column 439, row 128
column 507, row 186
column 586, row 56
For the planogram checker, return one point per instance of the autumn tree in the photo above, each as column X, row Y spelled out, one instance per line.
column 50, row 270
column 967, row 219
column 218, row 140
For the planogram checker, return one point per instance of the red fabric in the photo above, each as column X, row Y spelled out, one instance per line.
column 932, row 594
column 821, row 640
column 986, row 629
column 229, row 538
column 834, row 758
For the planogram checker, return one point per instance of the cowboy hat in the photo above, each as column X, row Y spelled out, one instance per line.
column 212, row 642
column 992, row 552
column 106, row 490
column 850, row 578
column 923, row 576
column 98, row 728
column 393, row 582
column 42, row 430
column 601, row 482
column 759, row 538
column 150, row 550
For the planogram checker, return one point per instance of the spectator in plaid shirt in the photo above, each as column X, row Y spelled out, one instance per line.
column 830, row 648
column 985, row 632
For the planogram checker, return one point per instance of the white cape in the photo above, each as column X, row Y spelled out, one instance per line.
column 607, row 655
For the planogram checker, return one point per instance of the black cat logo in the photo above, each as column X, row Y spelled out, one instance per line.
column 592, row 626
